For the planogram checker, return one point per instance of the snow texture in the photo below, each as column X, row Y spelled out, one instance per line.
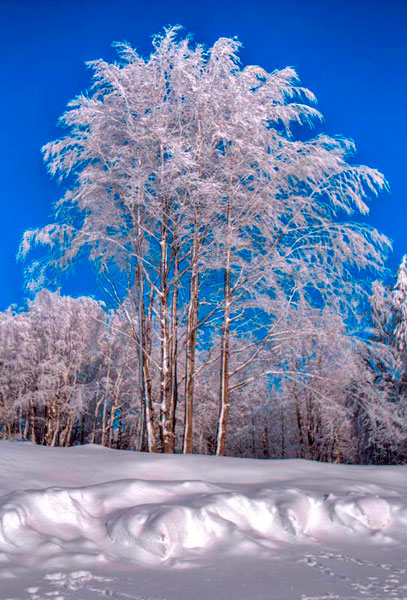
column 86, row 522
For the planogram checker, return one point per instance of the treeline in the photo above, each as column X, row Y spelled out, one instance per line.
column 69, row 375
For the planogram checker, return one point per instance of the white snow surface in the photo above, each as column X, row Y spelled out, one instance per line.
column 88, row 522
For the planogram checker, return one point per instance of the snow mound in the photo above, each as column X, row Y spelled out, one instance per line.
column 368, row 511
column 171, row 523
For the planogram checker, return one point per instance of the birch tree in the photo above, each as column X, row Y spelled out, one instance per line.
column 198, row 207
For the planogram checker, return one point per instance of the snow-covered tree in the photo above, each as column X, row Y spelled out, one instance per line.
column 199, row 208
column 48, row 361
column 13, row 381
column 399, row 298
column 381, row 403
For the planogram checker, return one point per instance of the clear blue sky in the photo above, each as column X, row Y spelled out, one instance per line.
column 352, row 55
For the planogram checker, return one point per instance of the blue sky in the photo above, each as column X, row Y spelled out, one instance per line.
column 352, row 55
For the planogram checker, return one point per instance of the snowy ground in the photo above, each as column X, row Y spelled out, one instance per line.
column 86, row 523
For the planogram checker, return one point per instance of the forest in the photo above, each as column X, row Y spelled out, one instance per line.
column 246, row 310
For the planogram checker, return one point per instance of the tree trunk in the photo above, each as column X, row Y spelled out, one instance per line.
column 51, row 426
column 174, row 343
column 224, row 390
column 141, row 338
column 192, row 323
column 166, row 433
column 147, row 384
column 147, row 437
column 95, row 420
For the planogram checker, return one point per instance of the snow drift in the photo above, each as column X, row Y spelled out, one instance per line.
column 164, row 520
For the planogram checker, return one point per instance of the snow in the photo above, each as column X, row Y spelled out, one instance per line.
column 88, row 522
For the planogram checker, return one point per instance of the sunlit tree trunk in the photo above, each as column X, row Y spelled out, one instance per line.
column 192, row 330
column 147, row 383
column 174, row 342
column 224, row 391
column 166, row 432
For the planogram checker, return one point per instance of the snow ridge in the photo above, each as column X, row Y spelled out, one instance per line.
column 171, row 523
